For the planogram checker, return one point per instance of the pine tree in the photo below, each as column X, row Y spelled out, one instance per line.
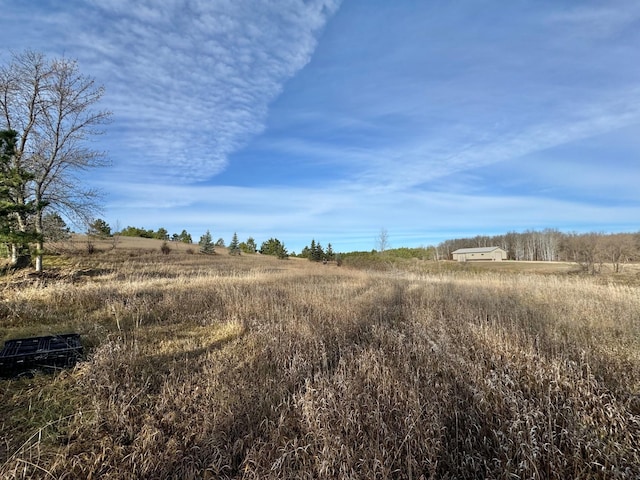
column 161, row 234
column 251, row 245
column 185, row 237
column 329, row 253
column 234, row 246
column 55, row 229
column 273, row 246
column 316, row 254
column 15, row 209
column 99, row 228
column 206, row 244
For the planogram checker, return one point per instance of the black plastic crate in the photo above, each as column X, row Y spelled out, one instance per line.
column 50, row 352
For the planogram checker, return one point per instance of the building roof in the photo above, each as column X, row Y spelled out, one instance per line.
column 477, row 250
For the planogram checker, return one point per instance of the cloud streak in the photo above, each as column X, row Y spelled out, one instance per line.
column 474, row 97
column 189, row 82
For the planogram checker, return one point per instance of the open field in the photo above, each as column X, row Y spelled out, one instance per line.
column 78, row 244
column 250, row 367
column 629, row 273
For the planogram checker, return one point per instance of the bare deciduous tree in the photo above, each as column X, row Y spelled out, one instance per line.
column 617, row 249
column 53, row 108
column 382, row 241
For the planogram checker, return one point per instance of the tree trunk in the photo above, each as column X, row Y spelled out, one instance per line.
column 40, row 248
column 40, row 232
column 20, row 257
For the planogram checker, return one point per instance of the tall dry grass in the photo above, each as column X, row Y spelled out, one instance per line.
column 256, row 368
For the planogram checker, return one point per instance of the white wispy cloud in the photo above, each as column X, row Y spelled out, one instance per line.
column 598, row 20
column 472, row 143
column 188, row 82
column 544, row 89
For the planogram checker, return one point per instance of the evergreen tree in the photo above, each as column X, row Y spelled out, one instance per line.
column 273, row 246
column 161, row 234
column 130, row 231
column 251, row 245
column 99, row 228
column 55, row 229
column 220, row 242
column 329, row 255
column 139, row 232
column 234, row 246
column 316, row 254
column 206, row 244
column 185, row 237
column 312, row 251
column 15, row 209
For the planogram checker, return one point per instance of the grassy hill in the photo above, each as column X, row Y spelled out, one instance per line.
column 78, row 244
column 252, row 367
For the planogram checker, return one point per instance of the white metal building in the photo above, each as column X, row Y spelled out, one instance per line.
column 487, row 254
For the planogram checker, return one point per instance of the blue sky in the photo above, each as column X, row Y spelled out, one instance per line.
column 331, row 119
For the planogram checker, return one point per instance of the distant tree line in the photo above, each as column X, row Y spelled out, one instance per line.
column 101, row 229
column 590, row 250
column 376, row 259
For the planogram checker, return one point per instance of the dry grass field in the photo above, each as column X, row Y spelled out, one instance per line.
column 251, row 368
